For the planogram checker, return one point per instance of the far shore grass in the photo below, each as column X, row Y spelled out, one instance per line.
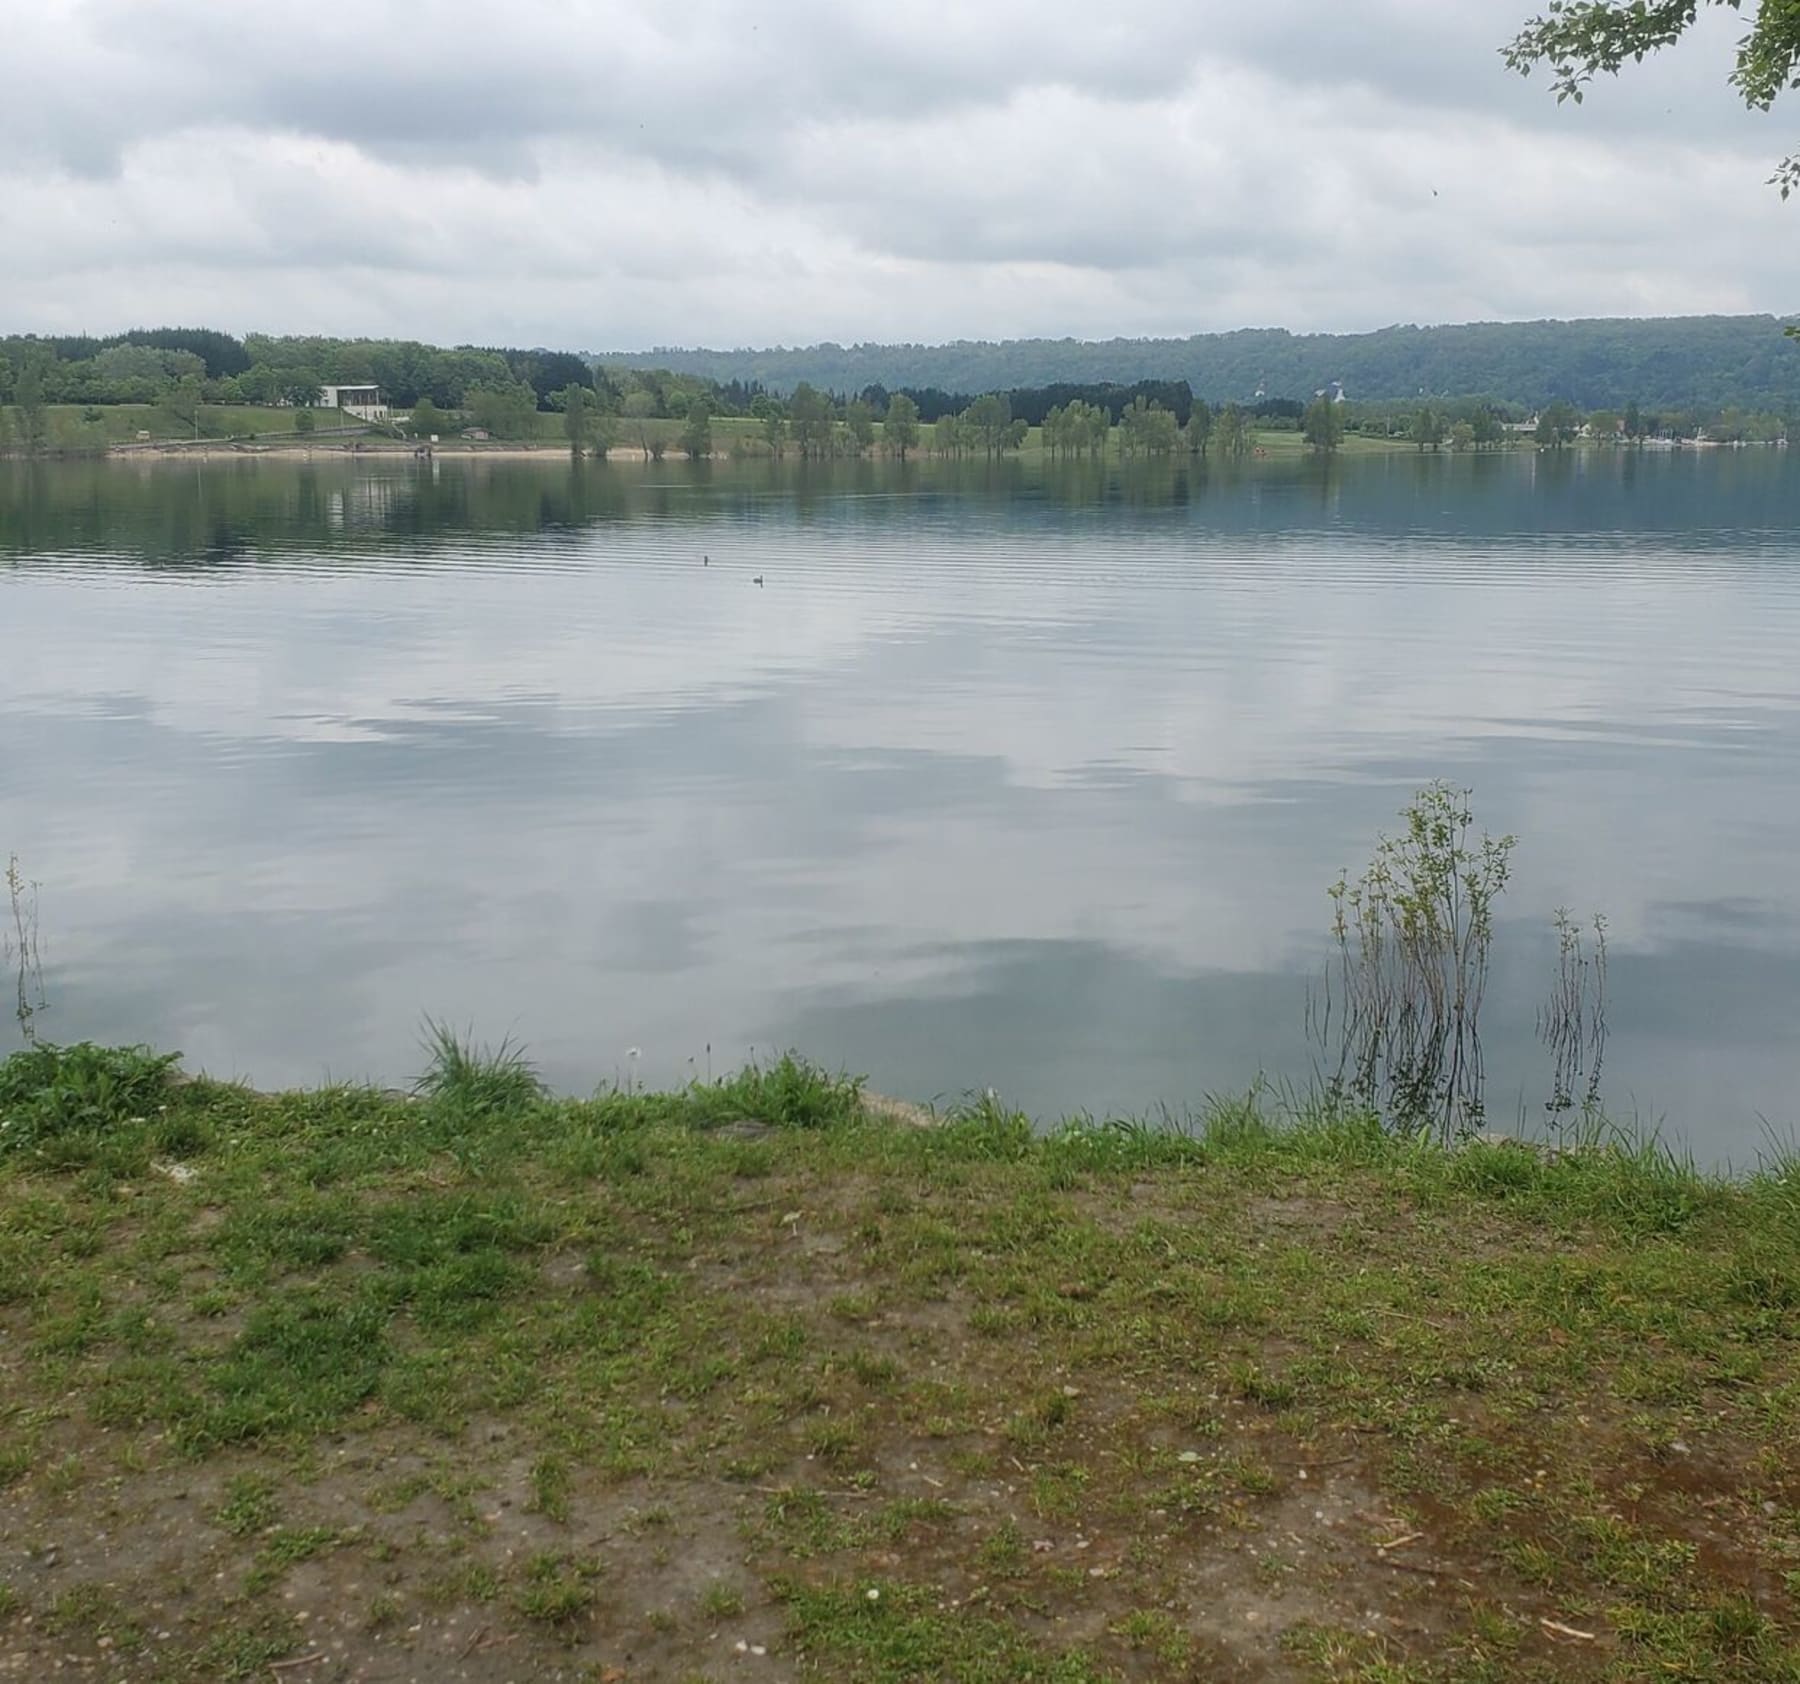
column 761, row 1379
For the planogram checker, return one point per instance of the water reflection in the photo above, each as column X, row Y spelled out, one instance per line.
column 1015, row 775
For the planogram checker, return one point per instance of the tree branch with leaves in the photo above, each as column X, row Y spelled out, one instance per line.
column 1580, row 39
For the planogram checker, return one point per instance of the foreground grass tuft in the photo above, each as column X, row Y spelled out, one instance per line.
column 473, row 1080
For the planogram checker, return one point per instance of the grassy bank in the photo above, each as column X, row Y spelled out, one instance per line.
column 753, row 1381
column 90, row 427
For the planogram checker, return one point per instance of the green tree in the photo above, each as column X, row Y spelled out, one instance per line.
column 1199, row 428
column 1131, row 427
column 306, row 421
column 1233, row 434
column 1485, row 425
column 774, row 428
column 577, row 405
column 428, row 419
column 1603, row 425
column 1634, row 420
column 300, row 387
column 259, row 384
column 1581, row 39
column 1427, row 429
column 508, row 410
column 1146, row 426
column 28, row 398
column 950, row 435
column 182, row 401
column 810, row 418
column 696, row 432
column 1557, row 425
column 1323, row 424
column 859, row 418
column 901, row 429
column 989, row 418
column 639, row 411
column 1462, row 436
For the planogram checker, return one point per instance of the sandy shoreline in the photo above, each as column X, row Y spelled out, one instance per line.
column 223, row 450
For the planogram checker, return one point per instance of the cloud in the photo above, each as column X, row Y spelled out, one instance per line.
column 610, row 175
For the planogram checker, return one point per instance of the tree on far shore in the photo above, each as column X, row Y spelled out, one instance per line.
column 810, row 419
column 1232, row 432
column 576, row 403
column 182, row 401
column 859, row 418
column 28, row 399
column 1428, row 428
column 989, row 418
column 508, row 411
column 1557, row 425
column 766, row 410
column 1199, row 428
column 901, row 429
column 1323, row 424
column 696, row 433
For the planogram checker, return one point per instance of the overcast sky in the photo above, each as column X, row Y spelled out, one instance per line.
column 602, row 175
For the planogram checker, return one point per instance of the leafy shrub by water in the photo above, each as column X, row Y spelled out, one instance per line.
column 1401, row 1002
column 50, row 1092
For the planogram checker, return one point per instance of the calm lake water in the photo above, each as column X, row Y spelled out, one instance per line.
column 1009, row 777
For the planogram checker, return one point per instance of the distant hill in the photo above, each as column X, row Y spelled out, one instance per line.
column 1674, row 362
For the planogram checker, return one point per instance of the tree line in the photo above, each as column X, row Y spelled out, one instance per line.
column 1674, row 363
column 511, row 393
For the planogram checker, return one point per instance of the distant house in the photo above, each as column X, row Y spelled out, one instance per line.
column 361, row 400
column 476, row 433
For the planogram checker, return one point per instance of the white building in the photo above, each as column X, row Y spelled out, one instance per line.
column 361, row 400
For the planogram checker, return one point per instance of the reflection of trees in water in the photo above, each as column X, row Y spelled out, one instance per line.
column 224, row 514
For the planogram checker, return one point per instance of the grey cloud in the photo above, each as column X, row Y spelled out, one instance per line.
column 615, row 175
column 702, row 84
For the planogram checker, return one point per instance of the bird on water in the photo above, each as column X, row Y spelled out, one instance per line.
column 757, row 580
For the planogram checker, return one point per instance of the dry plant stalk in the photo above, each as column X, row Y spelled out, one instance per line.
column 1572, row 1021
column 19, row 949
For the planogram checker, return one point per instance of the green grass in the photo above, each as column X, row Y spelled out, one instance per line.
column 83, row 426
column 676, row 1367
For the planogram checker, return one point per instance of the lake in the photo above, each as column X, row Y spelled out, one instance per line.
column 1009, row 776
